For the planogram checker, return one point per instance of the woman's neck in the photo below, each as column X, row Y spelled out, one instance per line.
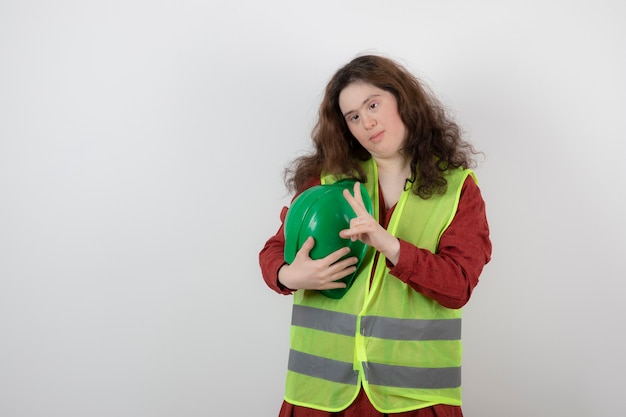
column 394, row 168
column 392, row 176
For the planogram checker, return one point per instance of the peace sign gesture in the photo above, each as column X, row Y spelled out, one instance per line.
column 365, row 228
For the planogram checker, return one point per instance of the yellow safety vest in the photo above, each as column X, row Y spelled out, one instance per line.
column 401, row 346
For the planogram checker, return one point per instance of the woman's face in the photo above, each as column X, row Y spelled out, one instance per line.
column 373, row 119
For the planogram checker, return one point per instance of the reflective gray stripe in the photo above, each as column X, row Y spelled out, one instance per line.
column 408, row 377
column 409, row 329
column 328, row 321
column 316, row 366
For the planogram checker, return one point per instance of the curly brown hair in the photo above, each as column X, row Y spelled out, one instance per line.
column 433, row 144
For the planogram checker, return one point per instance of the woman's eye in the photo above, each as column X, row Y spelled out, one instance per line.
column 373, row 105
column 354, row 117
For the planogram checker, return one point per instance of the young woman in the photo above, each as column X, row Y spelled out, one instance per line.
column 392, row 344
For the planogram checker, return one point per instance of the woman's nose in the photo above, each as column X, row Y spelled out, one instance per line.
column 369, row 122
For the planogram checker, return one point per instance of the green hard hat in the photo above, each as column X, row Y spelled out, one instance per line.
column 322, row 211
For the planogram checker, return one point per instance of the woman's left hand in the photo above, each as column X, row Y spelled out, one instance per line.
column 365, row 228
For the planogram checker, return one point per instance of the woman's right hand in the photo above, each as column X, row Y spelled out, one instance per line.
column 305, row 273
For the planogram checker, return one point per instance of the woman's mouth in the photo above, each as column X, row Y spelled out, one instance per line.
column 377, row 136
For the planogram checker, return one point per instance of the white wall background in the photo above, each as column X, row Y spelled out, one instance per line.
column 141, row 151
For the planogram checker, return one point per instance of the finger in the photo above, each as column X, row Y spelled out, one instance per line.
column 334, row 285
column 359, row 225
column 359, row 208
column 343, row 273
column 357, row 193
column 351, row 234
column 307, row 246
column 345, row 263
column 336, row 255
